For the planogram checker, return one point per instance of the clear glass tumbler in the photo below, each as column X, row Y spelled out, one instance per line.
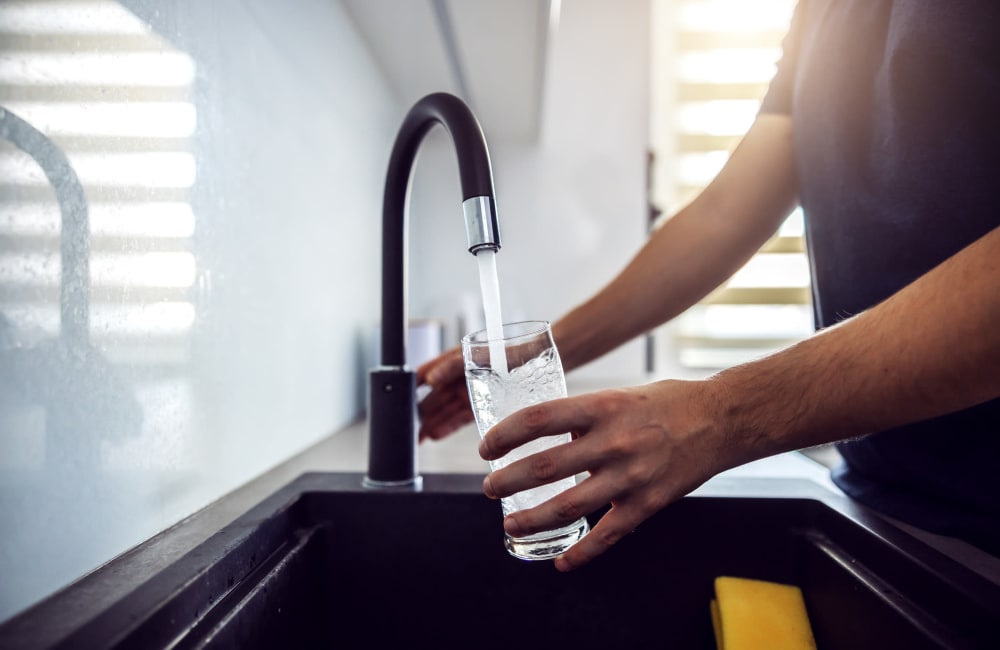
column 533, row 373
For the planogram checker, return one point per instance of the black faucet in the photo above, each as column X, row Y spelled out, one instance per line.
column 392, row 451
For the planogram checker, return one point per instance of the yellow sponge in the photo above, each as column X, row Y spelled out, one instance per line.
column 716, row 624
column 754, row 615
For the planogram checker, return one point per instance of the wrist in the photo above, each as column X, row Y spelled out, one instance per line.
column 696, row 416
column 740, row 422
column 582, row 336
column 570, row 347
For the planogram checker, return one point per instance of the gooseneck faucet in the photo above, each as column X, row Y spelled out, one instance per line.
column 392, row 451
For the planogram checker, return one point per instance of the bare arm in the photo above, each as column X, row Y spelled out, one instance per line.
column 683, row 261
column 930, row 349
column 693, row 252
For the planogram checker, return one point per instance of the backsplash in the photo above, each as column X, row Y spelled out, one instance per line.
column 204, row 322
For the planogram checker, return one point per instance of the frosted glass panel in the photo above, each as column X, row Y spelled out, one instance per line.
column 190, row 196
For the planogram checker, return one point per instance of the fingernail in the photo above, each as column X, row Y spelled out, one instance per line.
column 511, row 526
column 562, row 564
column 432, row 377
column 488, row 489
column 484, row 450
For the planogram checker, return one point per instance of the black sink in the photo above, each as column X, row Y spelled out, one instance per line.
column 324, row 563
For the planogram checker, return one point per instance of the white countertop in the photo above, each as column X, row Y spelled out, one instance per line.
column 348, row 451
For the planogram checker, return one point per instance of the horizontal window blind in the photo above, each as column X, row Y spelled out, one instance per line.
column 711, row 70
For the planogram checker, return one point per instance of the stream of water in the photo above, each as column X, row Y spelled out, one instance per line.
column 490, row 287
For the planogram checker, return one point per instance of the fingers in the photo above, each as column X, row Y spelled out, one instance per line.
column 444, row 410
column 443, row 369
column 560, row 510
column 548, row 466
column 623, row 518
column 444, row 397
column 616, row 524
column 548, row 418
column 639, row 455
column 445, row 420
column 442, row 425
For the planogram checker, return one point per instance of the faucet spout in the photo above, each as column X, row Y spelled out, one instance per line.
column 392, row 451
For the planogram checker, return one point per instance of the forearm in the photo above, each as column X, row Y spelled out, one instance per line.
column 931, row 349
column 666, row 277
column 694, row 251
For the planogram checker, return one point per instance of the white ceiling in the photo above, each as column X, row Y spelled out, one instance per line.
column 492, row 54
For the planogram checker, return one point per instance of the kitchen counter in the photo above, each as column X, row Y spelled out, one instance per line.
column 345, row 452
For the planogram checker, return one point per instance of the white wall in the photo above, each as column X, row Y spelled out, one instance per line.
column 572, row 206
column 279, row 279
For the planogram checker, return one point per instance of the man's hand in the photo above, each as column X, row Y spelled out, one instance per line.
column 930, row 349
column 644, row 447
column 446, row 408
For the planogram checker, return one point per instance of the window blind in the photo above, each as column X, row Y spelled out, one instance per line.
column 713, row 60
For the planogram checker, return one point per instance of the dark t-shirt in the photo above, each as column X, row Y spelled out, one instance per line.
column 896, row 113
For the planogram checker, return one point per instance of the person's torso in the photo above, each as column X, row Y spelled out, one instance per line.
column 896, row 110
column 897, row 128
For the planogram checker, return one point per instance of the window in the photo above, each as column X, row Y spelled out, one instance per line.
column 712, row 61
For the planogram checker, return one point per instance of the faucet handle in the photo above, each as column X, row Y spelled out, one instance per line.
column 392, row 415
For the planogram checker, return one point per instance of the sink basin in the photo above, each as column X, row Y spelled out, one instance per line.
column 324, row 563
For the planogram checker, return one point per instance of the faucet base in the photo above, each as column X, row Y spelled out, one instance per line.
column 392, row 420
column 415, row 484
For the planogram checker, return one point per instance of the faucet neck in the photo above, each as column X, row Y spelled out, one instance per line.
column 479, row 204
column 392, row 453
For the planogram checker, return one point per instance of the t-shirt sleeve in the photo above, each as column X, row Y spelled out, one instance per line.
column 778, row 98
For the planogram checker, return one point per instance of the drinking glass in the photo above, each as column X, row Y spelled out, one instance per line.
column 529, row 373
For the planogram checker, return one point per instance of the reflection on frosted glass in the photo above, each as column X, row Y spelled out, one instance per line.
column 159, row 446
column 146, row 119
column 70, row 17
column 122, row 269
column 95, row 68
column 29, row 268
column 163, row 318
column 142, row 219
column 147, row 169
column 33, row 320
column 81, row 408
column 22, row 446
column 157, row 319
column 229, row 154
column 146, row 269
